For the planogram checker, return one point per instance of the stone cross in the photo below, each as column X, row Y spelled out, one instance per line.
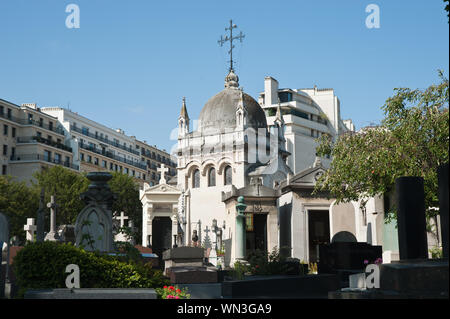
column 53, row 233
column 30, row 228
column 163, row 170
column 122, row 219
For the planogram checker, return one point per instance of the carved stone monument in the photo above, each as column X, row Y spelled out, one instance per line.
column 93, row 227
column 52, row 235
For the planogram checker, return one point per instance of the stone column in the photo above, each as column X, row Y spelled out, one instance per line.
column 443, row 206
column 240, row 229
column 410, row 202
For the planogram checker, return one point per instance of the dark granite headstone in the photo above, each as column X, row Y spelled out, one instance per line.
column 443, row 206
column 410, row 203
column 346, row 256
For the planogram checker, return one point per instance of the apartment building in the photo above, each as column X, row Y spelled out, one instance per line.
column 307, row 114
column 30, row 141
column 154, row 157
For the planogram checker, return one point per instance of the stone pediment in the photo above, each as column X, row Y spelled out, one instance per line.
column 304, row 179
column 160, row 189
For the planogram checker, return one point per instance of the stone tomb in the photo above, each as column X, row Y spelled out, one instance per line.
column 185, row 265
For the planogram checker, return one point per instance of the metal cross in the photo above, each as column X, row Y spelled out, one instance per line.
column 230, row 38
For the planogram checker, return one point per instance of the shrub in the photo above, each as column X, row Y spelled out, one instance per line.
column 42, row 265
column 263, row 264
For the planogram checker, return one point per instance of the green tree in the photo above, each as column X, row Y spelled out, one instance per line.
column 66, row 186
column 412, row 140
column 18, row 202
column 127, row 201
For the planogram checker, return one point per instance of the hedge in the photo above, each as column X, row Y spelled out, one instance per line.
column 42, row 266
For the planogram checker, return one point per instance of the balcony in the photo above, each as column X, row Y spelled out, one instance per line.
column 58, row 130
column 104, row 140
column 113, row 156
column 43, row 158
column 38, row 139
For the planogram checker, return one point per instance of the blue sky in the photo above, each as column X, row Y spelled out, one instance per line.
column 131, row 62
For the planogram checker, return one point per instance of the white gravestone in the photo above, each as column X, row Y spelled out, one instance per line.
column 30, row 228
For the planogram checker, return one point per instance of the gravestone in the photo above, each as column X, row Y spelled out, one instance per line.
column 410, row 203
column 30, row 228
column 4, row 236
column 185, row 265
column 346, row 258
column 67, row 233
column 52, row 235
column 93, row 227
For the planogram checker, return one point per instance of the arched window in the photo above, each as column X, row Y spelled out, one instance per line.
column 228, row 176
column 212, row 177
column 196, row 179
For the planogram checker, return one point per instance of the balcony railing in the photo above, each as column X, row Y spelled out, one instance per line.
column 39, row 139
column 104, row 140
column 113, row 156
column 44, row 158
column 57, row 129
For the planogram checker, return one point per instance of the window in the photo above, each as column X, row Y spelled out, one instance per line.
column 13, row 151
column 41, row 122
column 104, row 164
column 9, row 113
column 13, row 132
column 89, row 159
column 82, row 156
column 228, row 175
column 47, row 156
column 5, row 150
column 5, row 129
column 212, row 177
column 2, row 110
column 95, row 160
column 4, row 170
column 57, row 158
column 133, row 172
column 126, row 170
column 143, row 176
column 67, row 160
column 39, row 134
column 196, row 179
column 285, row 96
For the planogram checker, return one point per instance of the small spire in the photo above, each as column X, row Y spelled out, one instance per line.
column 184, row 113
column 278, row 116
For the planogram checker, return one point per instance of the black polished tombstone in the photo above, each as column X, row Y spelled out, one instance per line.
column 443, row 206
column 348, row 256
column 410, row 204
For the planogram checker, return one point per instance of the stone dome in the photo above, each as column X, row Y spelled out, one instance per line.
column 219, row 113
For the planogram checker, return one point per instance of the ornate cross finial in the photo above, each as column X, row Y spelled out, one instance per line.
column 230, row 38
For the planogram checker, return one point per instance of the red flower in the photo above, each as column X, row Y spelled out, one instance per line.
column 178, row 290
column 165, row 287
column 373, row 172
column 171, row 288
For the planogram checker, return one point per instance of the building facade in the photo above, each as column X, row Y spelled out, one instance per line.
column 33, row 138
column 30, row 141
column 308, row 114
